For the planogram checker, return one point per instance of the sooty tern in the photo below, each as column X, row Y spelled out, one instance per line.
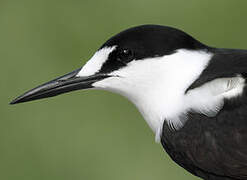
column 193, row 96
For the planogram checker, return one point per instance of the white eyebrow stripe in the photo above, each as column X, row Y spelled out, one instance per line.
column 96, row 62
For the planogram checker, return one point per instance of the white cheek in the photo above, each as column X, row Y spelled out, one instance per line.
column 96, row 62
column 117, row 85
column 157, row 85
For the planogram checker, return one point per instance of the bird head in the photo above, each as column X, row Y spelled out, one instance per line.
column 151, row 65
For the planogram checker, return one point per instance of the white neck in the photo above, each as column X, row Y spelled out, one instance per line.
column 157, row 85
column 166, row 99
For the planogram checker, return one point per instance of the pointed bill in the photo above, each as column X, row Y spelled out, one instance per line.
column 60, row 85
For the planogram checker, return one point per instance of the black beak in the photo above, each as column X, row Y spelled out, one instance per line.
column 63, row 84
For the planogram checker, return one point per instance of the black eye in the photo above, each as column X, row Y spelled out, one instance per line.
column 125, row 55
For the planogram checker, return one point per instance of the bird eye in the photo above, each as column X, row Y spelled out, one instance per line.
column 125, row 55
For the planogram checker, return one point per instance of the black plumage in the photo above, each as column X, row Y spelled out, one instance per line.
column 213, row 148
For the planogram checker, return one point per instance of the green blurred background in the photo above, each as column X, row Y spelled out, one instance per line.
column 92, row 134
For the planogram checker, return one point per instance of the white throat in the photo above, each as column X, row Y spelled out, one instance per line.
column 157, row 85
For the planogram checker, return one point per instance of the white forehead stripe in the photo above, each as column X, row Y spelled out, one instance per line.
column 96, row 62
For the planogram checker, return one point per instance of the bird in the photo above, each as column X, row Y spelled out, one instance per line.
column 193, row 96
